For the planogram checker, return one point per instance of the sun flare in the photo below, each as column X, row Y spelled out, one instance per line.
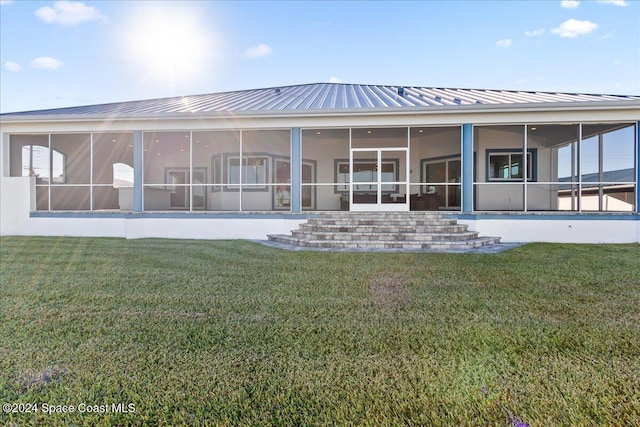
column 167, row 44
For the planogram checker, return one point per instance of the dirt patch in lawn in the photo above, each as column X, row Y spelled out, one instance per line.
column 389, row 291
column 38, row 380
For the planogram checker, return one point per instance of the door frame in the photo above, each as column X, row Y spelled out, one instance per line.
column 379, row 206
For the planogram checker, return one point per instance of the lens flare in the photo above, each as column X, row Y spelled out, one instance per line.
column 169, row 43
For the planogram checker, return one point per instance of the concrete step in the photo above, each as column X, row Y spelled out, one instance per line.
column 387, row 237
column 381, row 215
column 386, row 228
column 381, row 221
column 355, row 244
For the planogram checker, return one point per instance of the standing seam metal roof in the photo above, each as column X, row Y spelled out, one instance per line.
column 326, row 97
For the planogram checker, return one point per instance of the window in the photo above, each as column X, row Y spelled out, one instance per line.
column 254, row 170
column 365, row 171
column 508, row 165
column 36, row 162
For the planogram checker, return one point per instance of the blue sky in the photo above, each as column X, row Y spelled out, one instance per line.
column 63, row 53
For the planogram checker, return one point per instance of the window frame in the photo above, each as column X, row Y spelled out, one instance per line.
column 243, row 165
column 532, row 154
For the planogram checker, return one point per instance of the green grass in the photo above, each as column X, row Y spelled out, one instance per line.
column 235, row 333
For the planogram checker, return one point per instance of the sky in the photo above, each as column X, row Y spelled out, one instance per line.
column 68, row 53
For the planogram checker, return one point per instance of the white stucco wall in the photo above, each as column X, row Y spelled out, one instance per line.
column 558, row 230
column 209, row 228
column 17, row 199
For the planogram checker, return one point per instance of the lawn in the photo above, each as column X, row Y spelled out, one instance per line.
column 168, row 332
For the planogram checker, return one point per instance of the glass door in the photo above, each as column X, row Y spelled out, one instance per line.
column 443, row 183
column 376, row 180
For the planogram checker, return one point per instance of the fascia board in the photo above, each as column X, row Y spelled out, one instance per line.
column 461, row 109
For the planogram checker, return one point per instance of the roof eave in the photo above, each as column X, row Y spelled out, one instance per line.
column 248, row 114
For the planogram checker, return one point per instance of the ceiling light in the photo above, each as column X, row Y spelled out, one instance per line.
column 318, row 133
column 368, row 131
column 534, row 128
column 421, row 130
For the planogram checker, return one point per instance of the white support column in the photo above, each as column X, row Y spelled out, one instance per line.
column 579, row 167
column 241, row 180
column 50, row 175
column 296, row 170
column 138, row 153
column 190, row 187
column 91, row 171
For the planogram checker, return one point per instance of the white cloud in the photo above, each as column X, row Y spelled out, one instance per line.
column 334, row 79
column 534, row 33
column 621, row 3
column 574, row 28
column 258, row 51
column 12, row 66
column 504, row 43
column 569, row 4
column 46, row 63
column 68, row 13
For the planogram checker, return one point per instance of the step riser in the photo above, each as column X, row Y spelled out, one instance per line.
column 391, row 237
column 381, row 218
column 424, row 214
column 386, row 245
column 382, row 229
column 382, row 222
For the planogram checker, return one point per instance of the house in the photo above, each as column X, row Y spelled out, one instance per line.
column 526, row 166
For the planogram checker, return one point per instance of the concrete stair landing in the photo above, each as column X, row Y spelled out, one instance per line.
column 384, row 230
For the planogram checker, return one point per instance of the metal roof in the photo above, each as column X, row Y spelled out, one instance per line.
column 621, row 176
column 325, row 97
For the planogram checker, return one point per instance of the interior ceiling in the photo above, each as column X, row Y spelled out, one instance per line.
column 546, row 134
column 563, row 134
